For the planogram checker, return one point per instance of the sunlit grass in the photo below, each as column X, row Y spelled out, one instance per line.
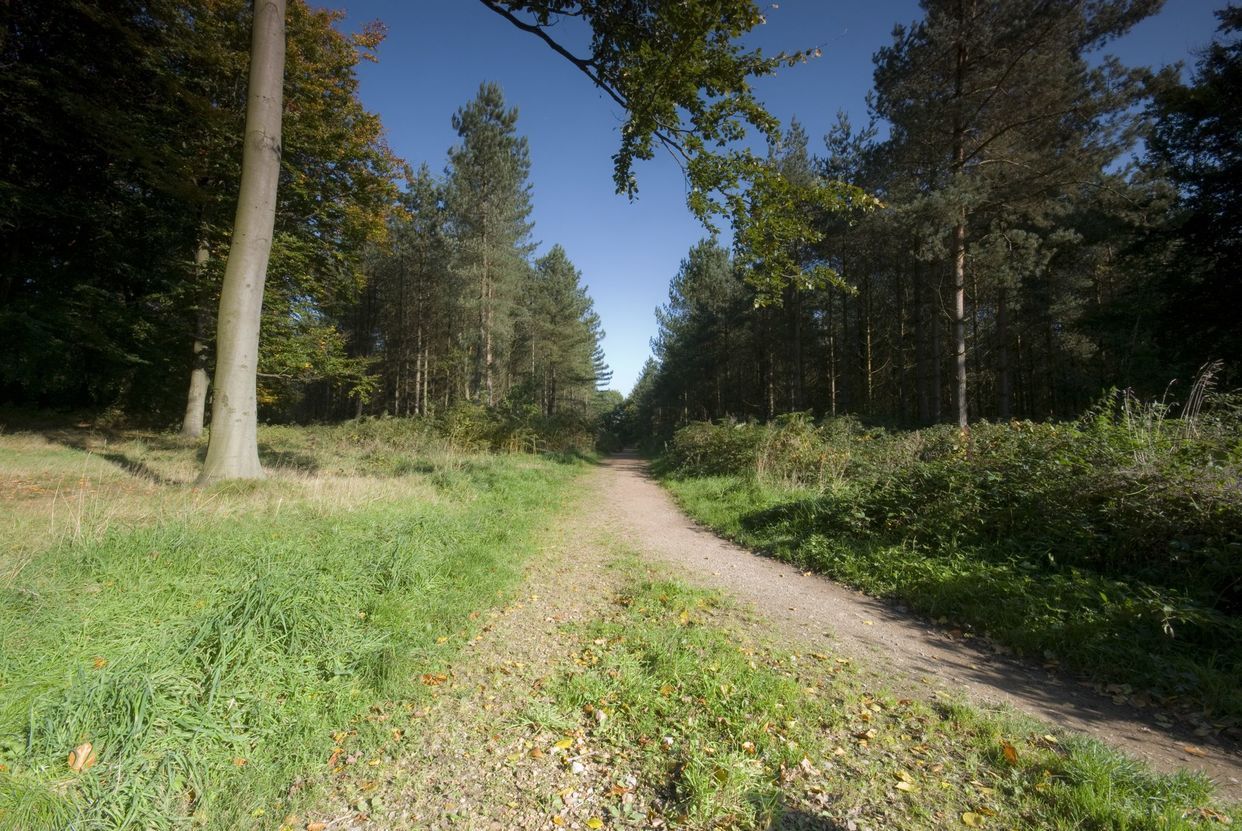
column 737, row 734
column 209, row 643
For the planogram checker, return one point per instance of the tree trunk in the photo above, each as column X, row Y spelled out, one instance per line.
column 233, row 451
column 1004, row 393
column 959, row 231
column 196, row 399
column 959, row 320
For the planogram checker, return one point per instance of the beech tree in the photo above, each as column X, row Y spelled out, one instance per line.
column 694, row 99
column 233, row 450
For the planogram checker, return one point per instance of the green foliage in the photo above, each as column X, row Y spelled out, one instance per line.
column 1114, row 542
column 210, row 660
column 130, row 114
column 1195, row 139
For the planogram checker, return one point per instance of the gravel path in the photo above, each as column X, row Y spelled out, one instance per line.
column 911, row 655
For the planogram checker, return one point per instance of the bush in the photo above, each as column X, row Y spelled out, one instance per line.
column 1127, row 523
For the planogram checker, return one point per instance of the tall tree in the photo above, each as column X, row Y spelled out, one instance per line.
column 488, row 199
column 232, row 451
column 998, row 109
column 1198, row 140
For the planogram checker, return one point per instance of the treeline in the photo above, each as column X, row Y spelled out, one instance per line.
column 1051, row 224
column 455, row 310
column 120, row 157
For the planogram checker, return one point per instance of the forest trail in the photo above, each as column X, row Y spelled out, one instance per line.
column 908, row 654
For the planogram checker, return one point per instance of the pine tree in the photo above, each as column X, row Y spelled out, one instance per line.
column 996, row 110
column 488, row 201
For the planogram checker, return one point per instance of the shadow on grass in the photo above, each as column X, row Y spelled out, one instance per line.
column 793, row 819
column 80, row 441
column 1110, row 628
column 271, row 456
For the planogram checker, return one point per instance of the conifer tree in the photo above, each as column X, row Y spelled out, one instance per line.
column 994, row 108
column 488, row 201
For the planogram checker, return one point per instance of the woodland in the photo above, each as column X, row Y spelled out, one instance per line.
column 318, row 511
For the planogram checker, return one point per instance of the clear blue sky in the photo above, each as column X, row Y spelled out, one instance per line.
column 439, row 51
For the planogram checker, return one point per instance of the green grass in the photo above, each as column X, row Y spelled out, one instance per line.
column 1117, row 629
column 734, row 733
column 209, row 644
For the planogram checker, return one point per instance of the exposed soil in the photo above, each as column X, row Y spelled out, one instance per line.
column 912, row 655
column 486, row 755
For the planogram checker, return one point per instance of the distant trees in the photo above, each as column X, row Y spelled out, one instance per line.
column 1197, row 141
column 456, row 311
column 1017, row 266
column 997, row 118
column 488, row 208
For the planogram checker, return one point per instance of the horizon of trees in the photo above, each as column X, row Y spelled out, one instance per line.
column 994, row 256
column 109, row 292
column 1053, row 224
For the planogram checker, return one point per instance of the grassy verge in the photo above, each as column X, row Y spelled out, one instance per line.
column 1119, row 629
column 209, row 644
column 726, row 731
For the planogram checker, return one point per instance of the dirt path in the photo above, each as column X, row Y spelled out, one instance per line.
column 911, row 655
column 488, row 754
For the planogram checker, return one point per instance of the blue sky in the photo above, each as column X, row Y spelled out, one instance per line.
column 439, row 51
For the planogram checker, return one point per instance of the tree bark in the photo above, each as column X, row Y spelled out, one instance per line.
column 1004, row 387
column 959, row 320
column 196, row 398
column 233, row 451
column 959, row 230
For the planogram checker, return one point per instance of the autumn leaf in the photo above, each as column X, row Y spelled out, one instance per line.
column 972, row 819
column 594, row 823
column 82, row 757
column 1011, row 753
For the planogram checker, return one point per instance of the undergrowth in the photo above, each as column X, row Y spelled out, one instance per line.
column 1112, row 545
column 209, row 655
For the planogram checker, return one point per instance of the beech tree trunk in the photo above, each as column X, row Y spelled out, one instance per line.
column 233, row 451
column 196, row 398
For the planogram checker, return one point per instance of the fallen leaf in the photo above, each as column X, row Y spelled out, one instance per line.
column 558, row 821
column 1194, row 751
column 594, row 823
column 434, row 679
column 82, row 757
column 316, row 826
column 972, row 819
column 1011, row 752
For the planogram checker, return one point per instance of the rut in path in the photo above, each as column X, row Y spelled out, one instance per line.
column 913, row 656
